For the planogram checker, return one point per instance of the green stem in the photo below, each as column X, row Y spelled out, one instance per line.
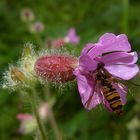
column 41, row 128
column 125, row 21
column 54, row 125
column 38, row 40
column 36, row 36
column 51, row 115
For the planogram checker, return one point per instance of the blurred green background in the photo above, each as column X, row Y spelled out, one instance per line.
column 91, row 18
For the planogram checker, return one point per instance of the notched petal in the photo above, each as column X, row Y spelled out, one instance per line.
column 107, row 38
column 125, row 72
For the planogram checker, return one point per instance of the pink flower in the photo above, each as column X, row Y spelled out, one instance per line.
column 27, row 123
column 72, row 37
column 110, row 55
column 23, row 117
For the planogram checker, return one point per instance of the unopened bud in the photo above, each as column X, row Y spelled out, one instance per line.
column 56, row 68
column 57, row 43
column 17, row 75
column 44, row 110
column 28, row 50
column 37, row 27
column 27, row 15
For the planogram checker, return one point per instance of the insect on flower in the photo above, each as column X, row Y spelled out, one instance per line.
column 101, row 68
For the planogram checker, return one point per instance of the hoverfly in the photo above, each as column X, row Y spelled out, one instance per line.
column 107, row 88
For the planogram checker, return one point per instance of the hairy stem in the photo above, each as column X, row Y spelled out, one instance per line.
column 41, row 128
column 54, row 125
column 51, row 115
column 39, row 40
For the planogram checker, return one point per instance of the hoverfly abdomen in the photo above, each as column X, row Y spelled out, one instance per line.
column 109, row 91
column 113, row 98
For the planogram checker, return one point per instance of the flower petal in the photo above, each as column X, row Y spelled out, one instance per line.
column 95, row 50
column 119, row 42
column 93, row 101
column 125, row 72
column 122, row 90
column 107, row 38
column 110, row 43
column 87, row 48
column 86, row 86
column 73, row 38
column 23, row 117
column 119, row 58
column 86, row 63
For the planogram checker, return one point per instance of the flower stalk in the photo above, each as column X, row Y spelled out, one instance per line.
column 51, row 117
column 41, row 128
column 54, row 125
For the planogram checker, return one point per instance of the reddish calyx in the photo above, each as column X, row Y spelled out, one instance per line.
column 56, row 68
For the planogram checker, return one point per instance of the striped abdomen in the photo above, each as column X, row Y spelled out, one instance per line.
column 113, row 97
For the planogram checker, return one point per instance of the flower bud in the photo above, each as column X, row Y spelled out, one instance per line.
column 27, row 50
column 57, row 43
column 17, row 75
column 27, row 15
column 44, row 110
column 56, row 68
column 37, row 27
column 28, row 60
